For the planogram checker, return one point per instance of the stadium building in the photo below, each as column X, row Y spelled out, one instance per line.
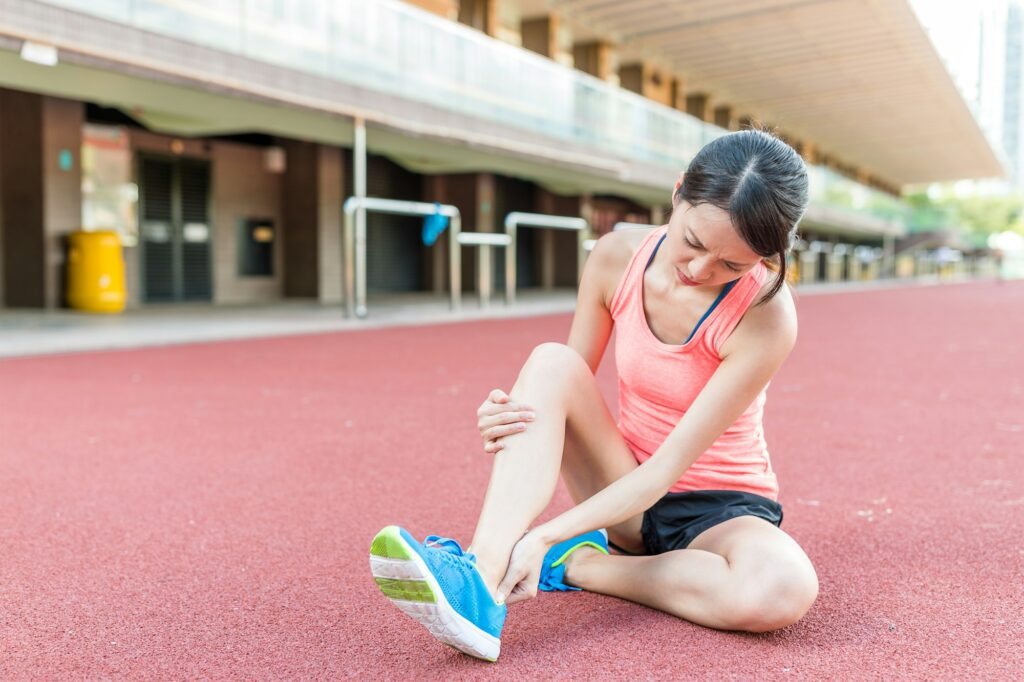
column 222, row 138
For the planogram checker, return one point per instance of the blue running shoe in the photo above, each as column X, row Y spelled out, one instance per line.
column 552, row 571
column 438, row 585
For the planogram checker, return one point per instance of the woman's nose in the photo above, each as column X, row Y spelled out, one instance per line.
column 700, row 268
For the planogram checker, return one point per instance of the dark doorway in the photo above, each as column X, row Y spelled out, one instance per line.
column 175, row 229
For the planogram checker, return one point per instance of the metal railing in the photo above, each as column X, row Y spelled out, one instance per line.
column 589, row 244
column 354, row 238
column 515, row 219
column 485, row 241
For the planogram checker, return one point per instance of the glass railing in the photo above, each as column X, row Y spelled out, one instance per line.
column 829, row 188
column 395, row 48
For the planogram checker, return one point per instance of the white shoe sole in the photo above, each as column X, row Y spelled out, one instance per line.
column 404, row 578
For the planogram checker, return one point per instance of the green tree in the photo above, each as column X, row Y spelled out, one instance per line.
column 979, row 215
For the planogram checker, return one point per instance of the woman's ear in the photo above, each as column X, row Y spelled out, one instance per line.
column 679, row 183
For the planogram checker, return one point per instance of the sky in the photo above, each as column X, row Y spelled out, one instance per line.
column 954, row 27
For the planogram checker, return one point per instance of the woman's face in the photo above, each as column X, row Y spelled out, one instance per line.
column 704, row 249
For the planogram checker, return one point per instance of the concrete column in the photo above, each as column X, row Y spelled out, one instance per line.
column 889, row 256
column 698, row 104
column 808, row 266
column 449, row 9
column 435, row 188
column 631, row 77
column 312, row 193
column 485, row 222
column 21, row 199
column 809, row 151
column 62, row 173
column 855, row 265
column 547, row 259
column 300, row 213
column 474, row 195
column 587, row 213
column 40, row 194
column 679, row 93
column 540, row 35
column 546, row 204
column 658, row 215
column 724, row 117
column 648, row 80
column 330, row 181
column 480, row 14
column 594, row 58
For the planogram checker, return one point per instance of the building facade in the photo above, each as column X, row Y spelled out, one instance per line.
column 221, row 140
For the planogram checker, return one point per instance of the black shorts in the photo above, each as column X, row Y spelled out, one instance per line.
column 677, row 518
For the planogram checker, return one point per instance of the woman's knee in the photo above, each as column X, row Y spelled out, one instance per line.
column 552, row 360
column 770, row 602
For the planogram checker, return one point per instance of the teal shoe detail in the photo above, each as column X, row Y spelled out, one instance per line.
column 552, row 571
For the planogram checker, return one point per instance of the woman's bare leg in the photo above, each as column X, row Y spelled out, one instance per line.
column 560, row 387
column 743, row 574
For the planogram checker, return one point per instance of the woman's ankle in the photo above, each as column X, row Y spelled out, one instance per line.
column 490, row 567
column 576, row 565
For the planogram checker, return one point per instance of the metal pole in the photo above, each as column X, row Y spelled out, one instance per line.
column 355, row 289
column 483, row 275
column 584, row 236
column 349, row 284
column 514, row 219
column 359, row 186
column 510, row 264
column 455, row 261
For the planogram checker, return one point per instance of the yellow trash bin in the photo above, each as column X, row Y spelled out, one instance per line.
column 95, row 272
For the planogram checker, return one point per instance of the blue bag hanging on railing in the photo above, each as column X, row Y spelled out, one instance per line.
column 434, row 225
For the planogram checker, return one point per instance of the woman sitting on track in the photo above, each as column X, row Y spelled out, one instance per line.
column 683, row 483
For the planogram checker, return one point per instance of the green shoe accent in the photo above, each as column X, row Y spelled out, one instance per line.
column 389, row 544
column 572, row 549
column 406, row 590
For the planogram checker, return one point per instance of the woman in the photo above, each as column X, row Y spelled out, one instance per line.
column 683, row 483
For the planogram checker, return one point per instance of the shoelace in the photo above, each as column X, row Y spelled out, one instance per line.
column 450, row 549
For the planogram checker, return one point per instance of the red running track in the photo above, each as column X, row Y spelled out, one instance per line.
column 205, row 511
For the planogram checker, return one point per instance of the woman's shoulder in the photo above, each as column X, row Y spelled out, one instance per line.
column 767, row 324
column 612, row 254
column 614, row 250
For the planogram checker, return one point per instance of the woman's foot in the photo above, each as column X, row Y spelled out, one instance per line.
column 556, row 562
column 438, row 585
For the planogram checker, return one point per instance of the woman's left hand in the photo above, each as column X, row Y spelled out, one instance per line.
column 523, row 574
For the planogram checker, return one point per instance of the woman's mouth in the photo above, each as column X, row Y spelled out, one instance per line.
column 686, row 280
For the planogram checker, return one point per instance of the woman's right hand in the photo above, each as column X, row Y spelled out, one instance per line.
column 498, row 417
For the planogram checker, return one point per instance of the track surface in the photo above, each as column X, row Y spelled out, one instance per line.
column 205, row 511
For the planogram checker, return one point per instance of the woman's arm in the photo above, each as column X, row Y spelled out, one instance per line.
column 751, row 357
column 592, row 324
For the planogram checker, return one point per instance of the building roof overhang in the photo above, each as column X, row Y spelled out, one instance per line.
column 860, row 79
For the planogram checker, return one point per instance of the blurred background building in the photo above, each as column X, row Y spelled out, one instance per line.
column 218, row 137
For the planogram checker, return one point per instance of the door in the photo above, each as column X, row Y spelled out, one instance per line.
column 175, row 229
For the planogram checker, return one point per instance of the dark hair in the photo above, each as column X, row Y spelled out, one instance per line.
column 761, row 182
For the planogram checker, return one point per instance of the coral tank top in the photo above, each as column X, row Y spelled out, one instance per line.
column 659, row 381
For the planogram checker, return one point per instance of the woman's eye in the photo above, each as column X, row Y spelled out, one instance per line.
column 734, row 269
column 691, row 244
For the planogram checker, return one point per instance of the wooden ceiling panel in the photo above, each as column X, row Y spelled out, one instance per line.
column 859, row 78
